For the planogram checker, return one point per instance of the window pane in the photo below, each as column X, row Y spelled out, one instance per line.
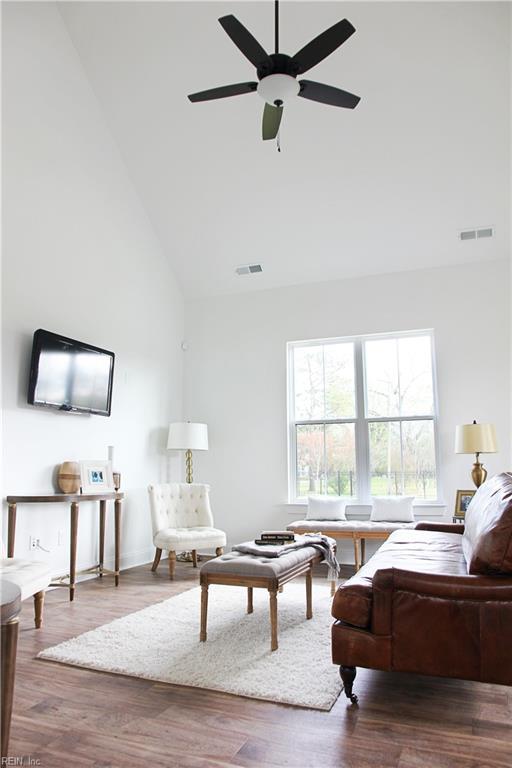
column 419, row 459
column 416, row 391
column 385, row 458
column 340, row 402
column 341, row 459
column 324, row 382
column 309, row 383
column 416, row 476
column 381, row 365
column 339, row 476
column 399, row 377
column 310, row 459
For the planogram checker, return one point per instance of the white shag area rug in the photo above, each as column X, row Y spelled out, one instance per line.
column 162, row 643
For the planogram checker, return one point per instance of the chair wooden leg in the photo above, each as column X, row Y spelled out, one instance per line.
column 38, row 609
column 172, row 564
column 194, row 558
column 158, row 555
column 363, row 551
column 250, row 607
column 8, row 659
column 219, row 551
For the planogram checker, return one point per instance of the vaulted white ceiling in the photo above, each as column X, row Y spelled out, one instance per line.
column 382, row 188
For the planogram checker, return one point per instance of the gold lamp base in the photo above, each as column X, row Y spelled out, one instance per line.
column 189, row 467
column 478, row 473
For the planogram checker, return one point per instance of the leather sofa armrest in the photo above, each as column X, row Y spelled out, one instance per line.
column 389, row 581
column 439, row 527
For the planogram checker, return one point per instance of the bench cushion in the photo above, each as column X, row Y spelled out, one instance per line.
column 346, row 526
column 30, row 576
column 238, row 564
column 412, row 550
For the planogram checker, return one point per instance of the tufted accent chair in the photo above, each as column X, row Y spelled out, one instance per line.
column 182, row 520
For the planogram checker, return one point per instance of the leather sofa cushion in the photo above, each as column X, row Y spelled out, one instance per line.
column 487, row 539
column 412, row 550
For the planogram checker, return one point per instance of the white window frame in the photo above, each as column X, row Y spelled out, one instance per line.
column 360, row 420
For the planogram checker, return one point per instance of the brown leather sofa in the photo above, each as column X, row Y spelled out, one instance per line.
column 434, row 600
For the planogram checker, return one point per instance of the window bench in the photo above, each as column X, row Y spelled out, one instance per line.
column 357, row 530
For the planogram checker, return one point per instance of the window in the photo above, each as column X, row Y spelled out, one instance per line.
column 363, row 417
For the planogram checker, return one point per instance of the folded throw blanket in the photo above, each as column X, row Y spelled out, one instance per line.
column 324, row 544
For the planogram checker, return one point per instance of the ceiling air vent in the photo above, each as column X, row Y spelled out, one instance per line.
column 249, row 269
column 476, row 234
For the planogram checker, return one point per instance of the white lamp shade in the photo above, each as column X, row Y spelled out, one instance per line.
column 185, row 436
column 475, row 438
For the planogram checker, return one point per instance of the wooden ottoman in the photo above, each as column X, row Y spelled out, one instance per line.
column 251, row 571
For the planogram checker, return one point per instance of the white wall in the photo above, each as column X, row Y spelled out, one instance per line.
column 81, row 259
column 236, row 374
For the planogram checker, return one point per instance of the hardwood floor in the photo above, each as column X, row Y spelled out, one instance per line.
column 65, row 716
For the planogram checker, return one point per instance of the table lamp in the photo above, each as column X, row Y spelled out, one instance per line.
column 476, row 438
column 188, row 437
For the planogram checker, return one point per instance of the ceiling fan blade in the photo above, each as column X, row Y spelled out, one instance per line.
column 271, row 121
column 243, row 40
column 323, row 45
column 327, row 94
column 223, row 91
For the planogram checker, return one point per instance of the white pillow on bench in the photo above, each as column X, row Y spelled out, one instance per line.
column 392, row 509
column 326, row 508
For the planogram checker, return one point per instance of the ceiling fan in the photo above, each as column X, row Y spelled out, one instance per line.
column 277, row 72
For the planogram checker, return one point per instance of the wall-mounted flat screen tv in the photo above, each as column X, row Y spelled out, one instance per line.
column 70, row 375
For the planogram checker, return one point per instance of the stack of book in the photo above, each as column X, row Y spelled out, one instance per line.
column 277, row 538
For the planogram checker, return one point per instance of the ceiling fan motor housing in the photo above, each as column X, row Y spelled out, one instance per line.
column 278, row 89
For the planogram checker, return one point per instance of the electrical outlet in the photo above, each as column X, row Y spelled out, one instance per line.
column 34, row 542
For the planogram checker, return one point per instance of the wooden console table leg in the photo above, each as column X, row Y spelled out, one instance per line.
column 103, row 507
column 250, row 607
column 117, row 526
column 204, row 612
column 273, row 619
column 73, row 546
column 194, row 558
column 309, row 592
column 9, row 644
column 11, row 530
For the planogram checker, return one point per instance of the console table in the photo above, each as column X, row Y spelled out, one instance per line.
column 73, row 499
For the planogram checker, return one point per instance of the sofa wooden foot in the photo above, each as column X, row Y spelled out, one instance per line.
column 348, row 675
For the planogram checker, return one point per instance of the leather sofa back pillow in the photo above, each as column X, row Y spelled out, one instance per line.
column 487, row 539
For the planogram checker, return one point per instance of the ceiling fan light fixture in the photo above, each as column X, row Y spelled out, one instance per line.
column 278, row 89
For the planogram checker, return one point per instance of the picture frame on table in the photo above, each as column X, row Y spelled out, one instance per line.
column 96, row 477
column 462, row 502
